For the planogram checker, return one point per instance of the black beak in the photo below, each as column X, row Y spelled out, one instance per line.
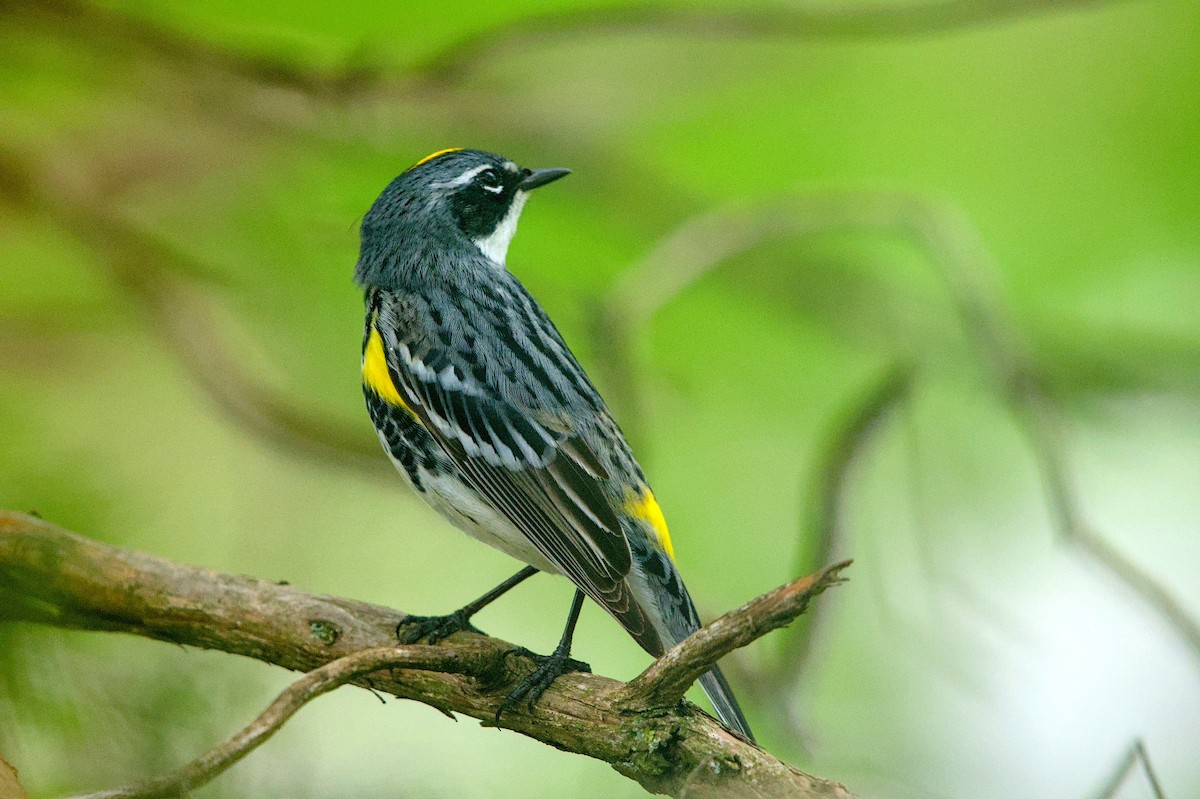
column 540, row 177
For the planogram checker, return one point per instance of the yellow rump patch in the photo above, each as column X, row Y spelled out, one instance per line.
column 376, row 375
column 645, row 507
column 432, row 156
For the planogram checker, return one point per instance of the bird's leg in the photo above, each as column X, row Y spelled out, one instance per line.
column 434, row 628
column 549, row 667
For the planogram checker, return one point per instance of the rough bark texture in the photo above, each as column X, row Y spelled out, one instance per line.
column 51, row 576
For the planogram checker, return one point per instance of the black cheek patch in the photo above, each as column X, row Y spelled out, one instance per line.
column 478, row 212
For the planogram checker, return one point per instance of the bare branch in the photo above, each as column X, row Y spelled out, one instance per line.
column 1040, row 424
column 51, row 576
column 319, row 681
column 10, row 786
column 165, row 284
column 954, row 249
column 1148, row 770
column 802, row 20
column 963, row 262
column 822, row 509
column 450, row 64
column 669, row 677
column 708, row 241
column 195, row 52
column 1136, row 754
column 181, row 316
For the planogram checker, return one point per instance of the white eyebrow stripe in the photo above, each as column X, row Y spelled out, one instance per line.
column 464, row 178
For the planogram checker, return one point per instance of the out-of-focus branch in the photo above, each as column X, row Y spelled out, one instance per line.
column 806, row 19
column 1041, row 426
column 167, row 287
column 1136, row 754
column 954, row 250
column 197, row 53
column 10, row 786
column 320, row 680
column 51, row 576
column 678, row 261
column 811, row 19
column 963, row 263
column 962, row 260
column 664, row 683
column 706, row 242
column 181, row 314
column 821, row 527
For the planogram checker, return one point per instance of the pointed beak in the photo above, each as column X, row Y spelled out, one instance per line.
column 540, row 177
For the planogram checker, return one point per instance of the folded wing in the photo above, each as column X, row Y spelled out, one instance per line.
column 527, row 462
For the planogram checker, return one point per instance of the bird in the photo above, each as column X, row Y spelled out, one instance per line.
column 483, row 408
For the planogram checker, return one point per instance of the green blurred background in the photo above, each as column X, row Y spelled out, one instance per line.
column 969, row 235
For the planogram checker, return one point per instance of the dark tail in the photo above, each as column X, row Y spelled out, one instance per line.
column 721, row 695
column 663, row 614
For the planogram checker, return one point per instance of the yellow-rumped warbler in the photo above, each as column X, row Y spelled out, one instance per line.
column 482, row 407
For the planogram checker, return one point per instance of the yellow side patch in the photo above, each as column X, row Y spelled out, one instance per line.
column 645, row 507
column 376, row 375
column 432, row 156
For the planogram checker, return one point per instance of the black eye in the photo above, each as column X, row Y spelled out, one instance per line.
column 490, row 182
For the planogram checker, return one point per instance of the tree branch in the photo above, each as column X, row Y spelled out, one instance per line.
column 1135, row 755
column 49, row 575
column 801, row 20
column 166, row 285
column 451, row 63
column 10, row 786
column 664, row 683
column 949, row 240
column 1039, row 422
column 821, row 527
column 319, row 681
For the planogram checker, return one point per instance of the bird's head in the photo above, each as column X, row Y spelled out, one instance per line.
column 450, row 206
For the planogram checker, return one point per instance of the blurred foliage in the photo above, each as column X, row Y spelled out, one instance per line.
column 1002, row 206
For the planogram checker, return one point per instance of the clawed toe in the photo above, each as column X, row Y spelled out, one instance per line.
column 549, row 668
column 432, row 629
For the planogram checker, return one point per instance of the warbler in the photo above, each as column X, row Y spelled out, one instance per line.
column 483, row 408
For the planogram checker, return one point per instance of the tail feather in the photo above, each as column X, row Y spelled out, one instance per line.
column 728, row 710
column 663, row 614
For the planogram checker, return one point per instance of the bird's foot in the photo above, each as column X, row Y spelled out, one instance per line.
column 432, row 629
column 549, row 668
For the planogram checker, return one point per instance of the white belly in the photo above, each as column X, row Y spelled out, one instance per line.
column 466, row 511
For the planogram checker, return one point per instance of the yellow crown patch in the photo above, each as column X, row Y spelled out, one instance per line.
column 432, row 156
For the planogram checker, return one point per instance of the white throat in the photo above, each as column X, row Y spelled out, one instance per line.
column 495, row 246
